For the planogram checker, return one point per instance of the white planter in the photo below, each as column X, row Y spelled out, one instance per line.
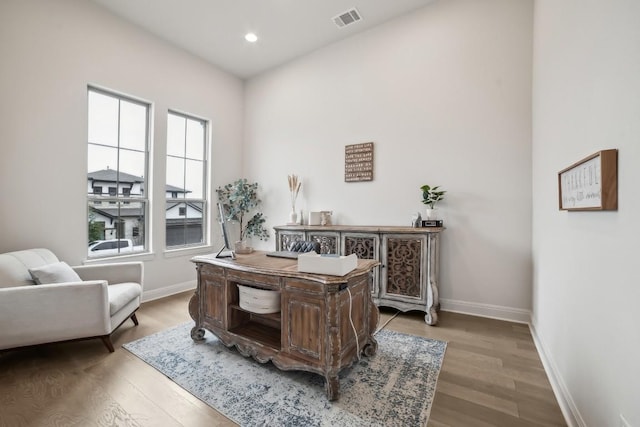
column 432, row 213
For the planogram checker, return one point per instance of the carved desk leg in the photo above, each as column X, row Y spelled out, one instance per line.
column 197, row 332
column 370, row 348
column 332, row 386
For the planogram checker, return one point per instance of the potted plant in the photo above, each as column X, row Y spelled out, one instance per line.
column 431, row 196
column 239, row 200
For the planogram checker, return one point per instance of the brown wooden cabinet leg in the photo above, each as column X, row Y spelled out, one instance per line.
column 135, row 319
column 332, row 387
column 106, row 339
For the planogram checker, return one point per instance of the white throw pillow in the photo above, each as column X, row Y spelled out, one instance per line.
column 58, row 272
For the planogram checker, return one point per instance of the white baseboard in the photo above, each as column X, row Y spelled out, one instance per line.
column 567, row 405
column 168, row 290
column 486, row 310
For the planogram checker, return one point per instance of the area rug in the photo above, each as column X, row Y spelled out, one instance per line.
column 393, row 388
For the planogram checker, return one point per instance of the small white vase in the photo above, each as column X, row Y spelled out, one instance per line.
column 293, row 217
column 432, row 213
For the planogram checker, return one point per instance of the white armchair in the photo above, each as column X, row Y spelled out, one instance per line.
column 93, row 305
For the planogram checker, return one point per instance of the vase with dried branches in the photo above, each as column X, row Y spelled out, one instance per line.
column 294, row 188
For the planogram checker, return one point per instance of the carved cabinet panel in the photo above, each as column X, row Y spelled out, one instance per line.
column 365, row 246
column 329, row 242
column 402, row 274
column 286, row 238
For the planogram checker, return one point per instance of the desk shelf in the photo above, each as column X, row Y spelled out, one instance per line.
column 275, row 317
column 260, row 333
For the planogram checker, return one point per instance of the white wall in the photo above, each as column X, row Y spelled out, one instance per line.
column 586, row 280
column 445, row 95
column 50, row 51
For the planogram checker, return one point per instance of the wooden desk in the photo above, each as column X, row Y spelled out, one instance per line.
column 311, row 333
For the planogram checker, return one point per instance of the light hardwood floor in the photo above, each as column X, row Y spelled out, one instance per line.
column 491, row 376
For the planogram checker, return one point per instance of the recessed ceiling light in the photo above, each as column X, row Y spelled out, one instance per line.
column 251, row 38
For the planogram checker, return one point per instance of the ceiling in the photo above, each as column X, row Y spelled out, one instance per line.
column 214, row 29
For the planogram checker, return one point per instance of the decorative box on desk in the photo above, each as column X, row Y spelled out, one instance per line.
column 334, row 265
column 407, row 277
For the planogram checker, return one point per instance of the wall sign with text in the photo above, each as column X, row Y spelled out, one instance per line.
column 358, row 162
column 590, row 184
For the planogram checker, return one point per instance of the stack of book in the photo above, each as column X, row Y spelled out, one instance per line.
column 432, row 223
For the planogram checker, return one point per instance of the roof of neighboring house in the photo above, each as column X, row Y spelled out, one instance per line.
column 124, row 211
column 196, row 206
column 111, row 175
column 176, row 189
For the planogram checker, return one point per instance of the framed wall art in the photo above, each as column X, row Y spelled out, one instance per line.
column 358, row 162
column 590, row 184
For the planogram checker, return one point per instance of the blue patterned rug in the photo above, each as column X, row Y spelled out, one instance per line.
column 393, row 388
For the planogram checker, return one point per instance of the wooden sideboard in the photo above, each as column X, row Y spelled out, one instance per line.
column 407, row 276
column 313, row 330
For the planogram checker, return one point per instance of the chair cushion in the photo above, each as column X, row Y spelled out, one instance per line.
column 305, row 246
column 58, row 272
column 122, row 294
column 14, row 266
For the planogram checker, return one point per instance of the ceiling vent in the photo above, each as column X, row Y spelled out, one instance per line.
column 346, row 18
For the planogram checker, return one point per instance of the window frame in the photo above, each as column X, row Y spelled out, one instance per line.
column 185, row 201
column 120, row 200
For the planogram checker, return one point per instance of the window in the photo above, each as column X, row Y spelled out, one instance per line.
column 97, row 191
column 186, row 180
column 118, row 141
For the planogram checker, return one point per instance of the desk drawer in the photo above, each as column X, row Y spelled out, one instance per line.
column 304, row 285
column 258, row 280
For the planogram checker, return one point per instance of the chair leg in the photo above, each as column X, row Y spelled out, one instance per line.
column 106, row 339
column 135, row 319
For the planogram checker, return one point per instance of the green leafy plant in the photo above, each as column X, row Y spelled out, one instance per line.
column 431, row 195
column 96, row 229
column 239, row 200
